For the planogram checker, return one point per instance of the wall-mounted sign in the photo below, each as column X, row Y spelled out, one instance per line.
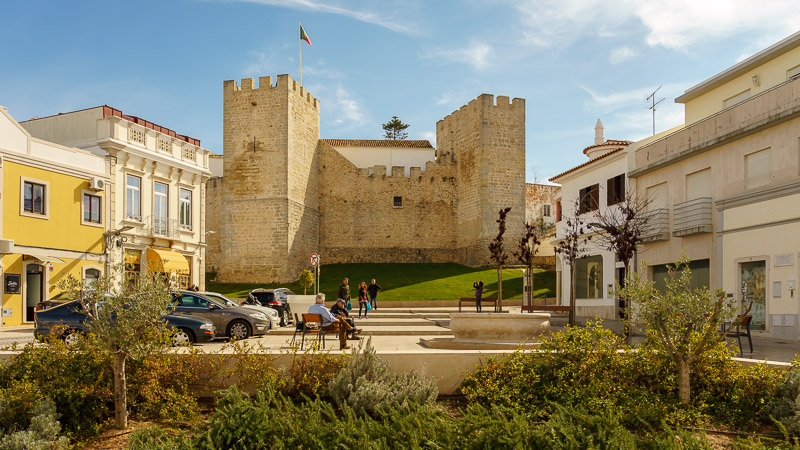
column 13, row 283
column 784, row 259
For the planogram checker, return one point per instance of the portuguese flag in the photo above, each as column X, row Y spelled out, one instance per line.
column 304, row 36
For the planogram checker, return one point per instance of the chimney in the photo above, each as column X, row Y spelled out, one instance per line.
column 598, row 133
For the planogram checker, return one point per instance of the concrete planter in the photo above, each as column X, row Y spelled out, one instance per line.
column 498, row 327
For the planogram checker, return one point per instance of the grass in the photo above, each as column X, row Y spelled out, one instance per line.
column 412, row 281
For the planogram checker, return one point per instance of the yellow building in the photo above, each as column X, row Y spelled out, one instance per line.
column 53, row 212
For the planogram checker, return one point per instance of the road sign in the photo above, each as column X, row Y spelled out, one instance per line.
column 314, row 259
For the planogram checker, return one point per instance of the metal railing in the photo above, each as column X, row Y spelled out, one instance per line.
column 658, row 226
column 692, row 217
column 161, row 226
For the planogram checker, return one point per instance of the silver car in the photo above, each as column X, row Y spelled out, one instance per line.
column 234, row 322
column 272, row 314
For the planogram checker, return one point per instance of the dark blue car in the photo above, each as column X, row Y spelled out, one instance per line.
column 68, row 321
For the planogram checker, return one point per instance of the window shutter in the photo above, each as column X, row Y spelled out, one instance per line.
column 595, row 195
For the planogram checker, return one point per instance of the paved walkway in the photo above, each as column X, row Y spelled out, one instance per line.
column 398, row 330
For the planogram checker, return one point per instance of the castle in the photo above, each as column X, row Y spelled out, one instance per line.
column 286, row 193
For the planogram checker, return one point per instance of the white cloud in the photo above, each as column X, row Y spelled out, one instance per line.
column 621, row 54
column 476, row 54
column 372, row 17
column 674, row 24
column 347, row 111
column 429, row 135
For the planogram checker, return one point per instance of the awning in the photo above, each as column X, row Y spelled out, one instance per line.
column 41, row 258
column 167, row 261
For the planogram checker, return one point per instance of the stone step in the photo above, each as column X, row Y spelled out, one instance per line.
column 380, row 331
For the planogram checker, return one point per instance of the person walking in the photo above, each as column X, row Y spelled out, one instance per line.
column 478, row 285
column 373, row 290
column 362, row 300
column 344, row 291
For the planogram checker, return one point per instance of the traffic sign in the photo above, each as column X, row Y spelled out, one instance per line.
column 314, row 259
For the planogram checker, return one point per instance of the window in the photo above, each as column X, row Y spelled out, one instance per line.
column 160, row 205
column 589, row 277
column 757, row 167
column 546, row 210
column 698, row 184
column 615, row 190
column 398, row 202
column 738, row 98
column 90, row 277
column 34, row 197
column 185, row 209
column 133, row 198
column 700, row 274
column 133, row 260
column 589, row 198
column 558, row 211
column 92, row 209
column 657, row 197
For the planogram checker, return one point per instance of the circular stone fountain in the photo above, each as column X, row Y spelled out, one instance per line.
column 492, row 331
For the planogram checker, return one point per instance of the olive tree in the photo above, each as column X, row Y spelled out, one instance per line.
column 570, row 246
column 682, row 321
column 126, row 321
column 306, row 280
column 532, row 238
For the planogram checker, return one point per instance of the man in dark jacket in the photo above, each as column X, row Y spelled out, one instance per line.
column 338, row 309
column 344, row 291
column 373, row 290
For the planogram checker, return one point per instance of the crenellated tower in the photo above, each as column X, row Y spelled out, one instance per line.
column 487, row 142
column 269, row 218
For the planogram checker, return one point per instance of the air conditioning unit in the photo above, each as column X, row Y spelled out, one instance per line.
column 97, row 184
column 6, row 246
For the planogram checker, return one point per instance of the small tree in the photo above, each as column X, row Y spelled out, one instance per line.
column 126, row 321
column 682, row 321
column 570, row 247
column 498, row 256
column 306, row 280
column 395, row 129
column 529, row 246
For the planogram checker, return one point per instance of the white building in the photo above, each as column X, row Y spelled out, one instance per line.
column 157, row 217
column 366, row 153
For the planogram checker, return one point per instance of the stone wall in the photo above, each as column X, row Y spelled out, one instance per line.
column 213, row 188
column 270, row 135
column 358, row 219
column 538, row 195
column 487, row 142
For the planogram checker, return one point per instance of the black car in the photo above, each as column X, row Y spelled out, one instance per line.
column 274, row 298
column 68, row 321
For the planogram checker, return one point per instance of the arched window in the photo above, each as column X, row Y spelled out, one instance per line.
column 90, row 276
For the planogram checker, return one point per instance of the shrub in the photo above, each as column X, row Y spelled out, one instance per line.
column 368, row 387
column 154, row 438
column 42, row 432
column 785, row 406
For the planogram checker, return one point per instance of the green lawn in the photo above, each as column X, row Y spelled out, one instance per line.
column 412, row 281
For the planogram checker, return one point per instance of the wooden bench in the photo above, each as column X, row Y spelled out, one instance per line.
column 471, row 301
column 554, row 308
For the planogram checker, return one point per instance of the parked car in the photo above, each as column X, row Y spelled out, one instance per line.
column 232, row 321
column 273, row 298
column 272, row 314
column 68, row 321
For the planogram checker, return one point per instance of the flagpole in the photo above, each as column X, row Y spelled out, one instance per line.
column 300, row 49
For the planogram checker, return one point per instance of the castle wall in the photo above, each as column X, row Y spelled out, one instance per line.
column 359, row 222
column 265, row 219
column 487, row 142
column 214, row 201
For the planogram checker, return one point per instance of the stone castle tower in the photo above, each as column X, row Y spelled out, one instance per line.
column 286, row 193
column 269, row 210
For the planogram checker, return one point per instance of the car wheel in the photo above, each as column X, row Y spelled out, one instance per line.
column 239, row 330
column 72, row 337
column 182, row 337
column 285, row 318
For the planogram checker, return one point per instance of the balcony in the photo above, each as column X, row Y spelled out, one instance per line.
column 657, row 226
column 161, row 227
column 692, row 217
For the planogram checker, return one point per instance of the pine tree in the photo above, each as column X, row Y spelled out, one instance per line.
column 395, row 129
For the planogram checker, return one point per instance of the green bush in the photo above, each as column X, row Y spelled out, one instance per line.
column 368, row 386
column 42, row 431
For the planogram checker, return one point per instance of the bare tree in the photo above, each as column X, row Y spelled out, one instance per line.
column 623, row 227
column 528, row 247
column 498, row 256
column 571, row 247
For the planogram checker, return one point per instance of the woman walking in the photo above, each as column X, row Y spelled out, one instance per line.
column 478, row 285
column 362, row 300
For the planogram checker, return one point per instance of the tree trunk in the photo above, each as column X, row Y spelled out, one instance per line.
column 120, row 392
column 498, row 307
column 572, row 295
column 684, row 380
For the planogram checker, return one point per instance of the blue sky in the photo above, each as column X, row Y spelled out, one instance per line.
column 574, row 61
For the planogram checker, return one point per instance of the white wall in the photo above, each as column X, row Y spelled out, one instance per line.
column 364, row 157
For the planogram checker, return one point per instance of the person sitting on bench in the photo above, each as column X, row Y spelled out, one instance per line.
column 339, row 310
column 329, row 321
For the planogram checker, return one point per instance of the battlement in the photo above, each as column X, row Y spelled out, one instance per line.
column 284, row 82
column 415, row 173
column 485, row 103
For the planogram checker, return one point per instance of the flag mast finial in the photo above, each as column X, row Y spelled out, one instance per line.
column 300, row 49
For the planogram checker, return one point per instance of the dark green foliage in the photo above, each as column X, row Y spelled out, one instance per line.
column 395, row 129
column 591, row 367
column 785, row 405
column 42, row 431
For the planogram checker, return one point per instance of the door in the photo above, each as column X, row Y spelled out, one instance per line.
column 753, row 276
column 200, row 308
column 34, row 277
